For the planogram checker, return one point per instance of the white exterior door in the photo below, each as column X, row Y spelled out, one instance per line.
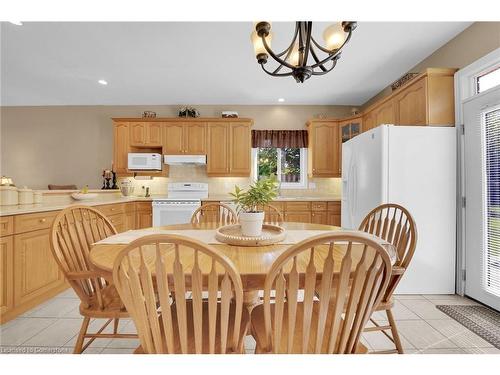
column 482, row 192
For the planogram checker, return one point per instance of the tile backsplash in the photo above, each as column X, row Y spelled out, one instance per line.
column 223, row 185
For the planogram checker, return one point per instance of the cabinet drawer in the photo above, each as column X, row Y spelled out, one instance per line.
column 299, row 217
column 112, row 209
column 280, row 206
column 334, row 207
column 319, row 217
column 130, row 207
column 210, row 208
column 6, row 225
column 318, row 206
column 297, row 206
column 31, row 222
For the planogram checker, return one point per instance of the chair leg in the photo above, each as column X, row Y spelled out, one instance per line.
column 81, row 336
column 394, row 331
column 115, row 325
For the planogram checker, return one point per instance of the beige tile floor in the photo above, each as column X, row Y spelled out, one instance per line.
column 53, row 326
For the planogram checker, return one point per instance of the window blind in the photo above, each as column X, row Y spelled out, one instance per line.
column 492, row 259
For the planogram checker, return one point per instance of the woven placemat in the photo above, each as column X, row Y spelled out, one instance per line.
column 481, row 320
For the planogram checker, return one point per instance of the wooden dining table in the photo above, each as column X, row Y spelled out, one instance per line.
column 253, row 263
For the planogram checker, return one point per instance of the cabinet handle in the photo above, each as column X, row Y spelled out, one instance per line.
column 43, row 220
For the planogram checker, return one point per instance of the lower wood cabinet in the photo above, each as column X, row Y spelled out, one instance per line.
column 319, row 218
column 144, row 215
column 35, row 269
column 298, row 216
column 6, row 274
column 29, row 274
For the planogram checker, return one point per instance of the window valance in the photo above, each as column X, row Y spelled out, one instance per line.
column 279, row 138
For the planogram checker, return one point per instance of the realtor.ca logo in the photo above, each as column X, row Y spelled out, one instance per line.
column 34, row 350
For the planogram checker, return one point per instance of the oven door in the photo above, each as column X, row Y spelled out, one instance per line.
column 169, row 213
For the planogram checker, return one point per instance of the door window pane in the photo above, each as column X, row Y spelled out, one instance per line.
column 492, row 142
column 488, row 80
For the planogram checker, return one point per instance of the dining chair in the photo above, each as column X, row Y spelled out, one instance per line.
column 73, row 232
column 214, row 213
column 394, row 224
column 272, row 215
column 332, row 323
column 216, row 324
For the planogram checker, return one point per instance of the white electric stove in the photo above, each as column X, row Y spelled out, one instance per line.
column 181, row 202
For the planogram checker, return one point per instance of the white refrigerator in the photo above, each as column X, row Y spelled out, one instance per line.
column 414, row 166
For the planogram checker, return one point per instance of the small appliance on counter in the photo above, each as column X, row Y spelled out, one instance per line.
column 126, row 187
column 8, row 192
column 182, row 201
column 143, row 161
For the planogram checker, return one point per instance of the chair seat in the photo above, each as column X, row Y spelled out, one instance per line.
column 258, row 330
column 113, row 306
column 191, row 349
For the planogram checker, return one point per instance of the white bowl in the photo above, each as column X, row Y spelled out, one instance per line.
column 83, row 197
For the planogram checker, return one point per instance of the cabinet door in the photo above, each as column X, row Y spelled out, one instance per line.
column 138, row 134
column 240, row 150
column 144, row 219
column 6, row 274
column 319, row 218
column 411, row 104
column 173, row 139
column 121, row 146
column 368, row 121
column 384, row 114
column 195, row 138
column 325, row 149
column 35, row 269
column 333, row 219
column 217, row 152
column 299, row 217
column 154, row 132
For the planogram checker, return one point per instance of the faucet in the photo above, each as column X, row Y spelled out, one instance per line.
column 279, row 188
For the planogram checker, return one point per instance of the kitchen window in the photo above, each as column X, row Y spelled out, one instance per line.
column 288, row 164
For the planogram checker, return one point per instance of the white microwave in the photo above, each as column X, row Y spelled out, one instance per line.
column 143, row 161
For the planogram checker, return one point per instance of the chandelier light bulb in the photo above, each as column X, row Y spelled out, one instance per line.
column 334, row 36
column 258, row 46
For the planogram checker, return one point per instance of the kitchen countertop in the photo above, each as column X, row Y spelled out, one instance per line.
column 107, row 199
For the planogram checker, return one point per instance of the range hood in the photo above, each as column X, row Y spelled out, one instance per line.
column 185, row 159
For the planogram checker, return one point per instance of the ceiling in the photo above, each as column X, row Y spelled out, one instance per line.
column 197, row 63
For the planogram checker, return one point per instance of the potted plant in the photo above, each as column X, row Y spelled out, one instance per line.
column 260, row 193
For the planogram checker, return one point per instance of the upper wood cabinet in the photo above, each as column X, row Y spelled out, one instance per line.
column 229, row 149
column 147, row 134
column 121, row 146
column 384, row 113
column 240, row 149
column 428, row 99
column 411, row 105
column 185, row 138
column 324, row 148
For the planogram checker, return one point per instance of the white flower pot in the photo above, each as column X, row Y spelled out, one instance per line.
column 251, row 223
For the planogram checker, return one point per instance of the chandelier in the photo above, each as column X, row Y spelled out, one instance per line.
column 304, row 57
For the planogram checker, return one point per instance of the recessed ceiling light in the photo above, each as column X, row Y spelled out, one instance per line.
column 281, row 100
column 103, row 82
column 18, row 23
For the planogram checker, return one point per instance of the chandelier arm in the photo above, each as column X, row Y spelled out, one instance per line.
column 331, row 55
column 334, row 63
column 289, row 49
column 273, row 55
column 275, row 74
column 315, row 57
column 308, row 43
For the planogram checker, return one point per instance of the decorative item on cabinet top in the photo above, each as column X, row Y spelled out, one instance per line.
column 188, row 111
column 403, row 80
column 149, row 114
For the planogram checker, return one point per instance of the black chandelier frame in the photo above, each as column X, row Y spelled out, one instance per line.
column 306, row 47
